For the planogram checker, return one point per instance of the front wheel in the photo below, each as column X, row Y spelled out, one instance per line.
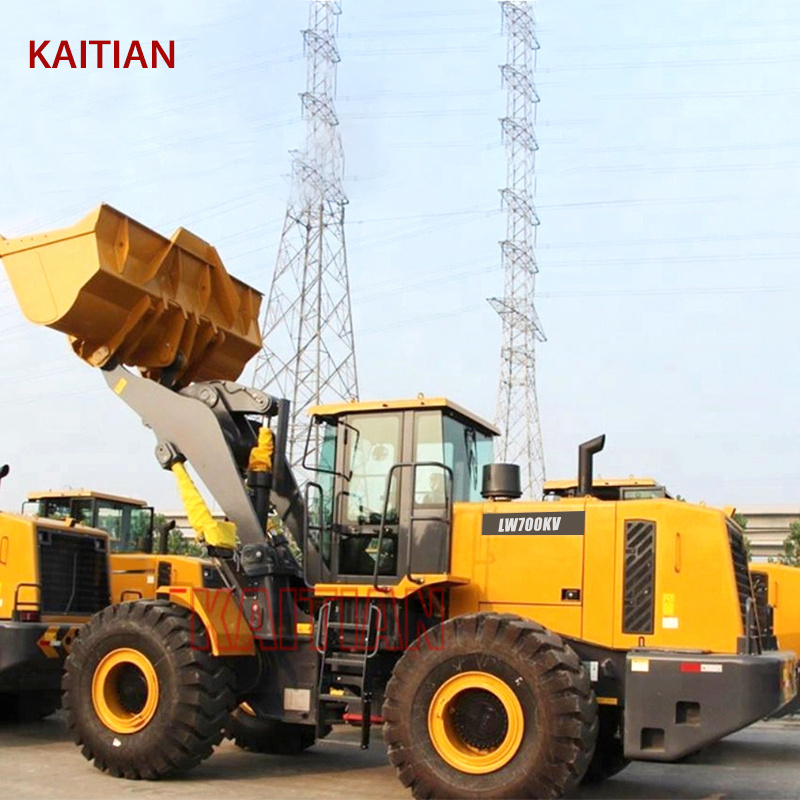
column 490, row 706
column 143, row 697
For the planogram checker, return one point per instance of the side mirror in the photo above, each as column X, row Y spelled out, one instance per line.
column 4, row 470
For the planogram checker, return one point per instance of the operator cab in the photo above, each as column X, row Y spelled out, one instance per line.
column 127, row 521
column 387, row 475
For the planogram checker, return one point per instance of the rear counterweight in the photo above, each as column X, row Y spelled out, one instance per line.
column 676, row 703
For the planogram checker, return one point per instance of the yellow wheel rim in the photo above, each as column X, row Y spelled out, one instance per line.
column 125, row 690
column 449, row 740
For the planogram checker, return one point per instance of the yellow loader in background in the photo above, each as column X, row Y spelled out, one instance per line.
column 510, row 648
column 60, row 563
column 777, row 591
column 54, row 576
column 779, row 587
column 139, row 562
column 139, row 556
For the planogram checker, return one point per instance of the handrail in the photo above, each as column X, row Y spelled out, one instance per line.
column 322, row 629
column 309, row 527
column 375, row 647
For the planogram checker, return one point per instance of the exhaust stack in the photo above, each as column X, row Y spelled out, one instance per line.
column 586, row 453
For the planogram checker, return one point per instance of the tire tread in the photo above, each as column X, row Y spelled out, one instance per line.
column 205, row 687
column 568, row 692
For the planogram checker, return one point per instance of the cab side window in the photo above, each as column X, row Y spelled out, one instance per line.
column 373, row 448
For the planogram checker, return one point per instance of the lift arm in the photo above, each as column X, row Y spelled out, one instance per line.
column 206, row 424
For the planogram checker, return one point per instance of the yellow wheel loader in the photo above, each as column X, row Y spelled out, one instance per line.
column 139, row 562
column 777, row 591
column 139, row 559
column 509, row 648
column 53, row 577
column 777, row 586
column 57, row 569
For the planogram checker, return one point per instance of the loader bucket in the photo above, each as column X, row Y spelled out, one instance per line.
column 122, row 291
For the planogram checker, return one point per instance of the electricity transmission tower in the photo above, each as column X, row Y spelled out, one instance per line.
column 309, row 351
column 517, row 404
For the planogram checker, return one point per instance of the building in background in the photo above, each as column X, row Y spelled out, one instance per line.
column 768, row 527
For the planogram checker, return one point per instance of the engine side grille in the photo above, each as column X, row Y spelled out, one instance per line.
column 164, row 573
column 73, row 572
column 212, row 578
column 640, row 574
column 740, row 569
column 760, row 584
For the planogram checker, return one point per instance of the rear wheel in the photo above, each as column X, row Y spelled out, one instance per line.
column 490, row 706
column 143, row 698
column 259, row 735
column 29, row 706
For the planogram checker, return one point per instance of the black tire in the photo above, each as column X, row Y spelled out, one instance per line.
column 609, row 755
column 549, row 683
column 258, row 735
column 29, row 706
column 194, row 695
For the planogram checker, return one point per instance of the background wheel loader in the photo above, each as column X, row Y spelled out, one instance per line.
column 63, row 560
column 777, row 587
column 139, row 557
column 510, row 648
column 777, row 591
column 139, row 562
column 53, row 576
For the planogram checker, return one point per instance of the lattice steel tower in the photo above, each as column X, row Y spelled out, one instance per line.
column 309, row 350
column 517, row 404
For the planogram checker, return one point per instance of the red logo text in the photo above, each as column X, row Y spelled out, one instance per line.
column 94, row 53
column 397, row 625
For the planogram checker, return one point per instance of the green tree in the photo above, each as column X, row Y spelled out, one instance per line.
column 791, row 546
column 741, row 521
column 178, row 545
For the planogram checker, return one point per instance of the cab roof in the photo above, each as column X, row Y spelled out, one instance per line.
column 357, row 407
column 85, row 494
column 572, row 483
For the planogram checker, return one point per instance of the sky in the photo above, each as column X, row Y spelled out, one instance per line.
column 668, row 176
